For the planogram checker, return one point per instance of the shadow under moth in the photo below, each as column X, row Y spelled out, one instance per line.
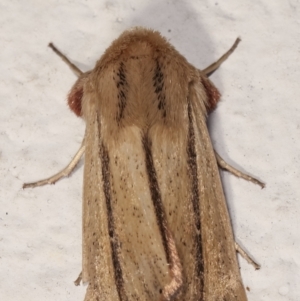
column 155, row 220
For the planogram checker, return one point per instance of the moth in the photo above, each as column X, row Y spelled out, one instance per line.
column 155, row 220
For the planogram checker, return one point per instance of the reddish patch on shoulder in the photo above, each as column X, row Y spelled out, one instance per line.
column 213, row 95
column 75, row 98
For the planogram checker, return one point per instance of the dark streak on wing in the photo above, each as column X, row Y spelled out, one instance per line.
column 158, row 84
column 122, row 86
column 114, row 243
column 195, row 197
column 155, row 194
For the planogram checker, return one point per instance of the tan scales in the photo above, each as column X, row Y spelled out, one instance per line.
column 155, row 220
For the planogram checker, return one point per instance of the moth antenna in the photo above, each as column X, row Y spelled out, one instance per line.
column 214, row 66
column 74, row 68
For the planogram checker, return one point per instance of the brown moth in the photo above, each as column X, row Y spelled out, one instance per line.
column 155, row 220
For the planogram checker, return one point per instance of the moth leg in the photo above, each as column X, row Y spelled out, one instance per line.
column 246, row 256
column 78, row 280
column 214, row 66
column 74, row 68
column 224, row 165
column 63, row 173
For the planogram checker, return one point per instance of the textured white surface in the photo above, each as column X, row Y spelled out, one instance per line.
column 256, row 128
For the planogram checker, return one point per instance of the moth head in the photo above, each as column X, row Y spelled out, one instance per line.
column 76, row 94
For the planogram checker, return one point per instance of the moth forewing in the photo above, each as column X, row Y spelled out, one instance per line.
column 155, row 220
column 96, row 270
column 221, row 269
